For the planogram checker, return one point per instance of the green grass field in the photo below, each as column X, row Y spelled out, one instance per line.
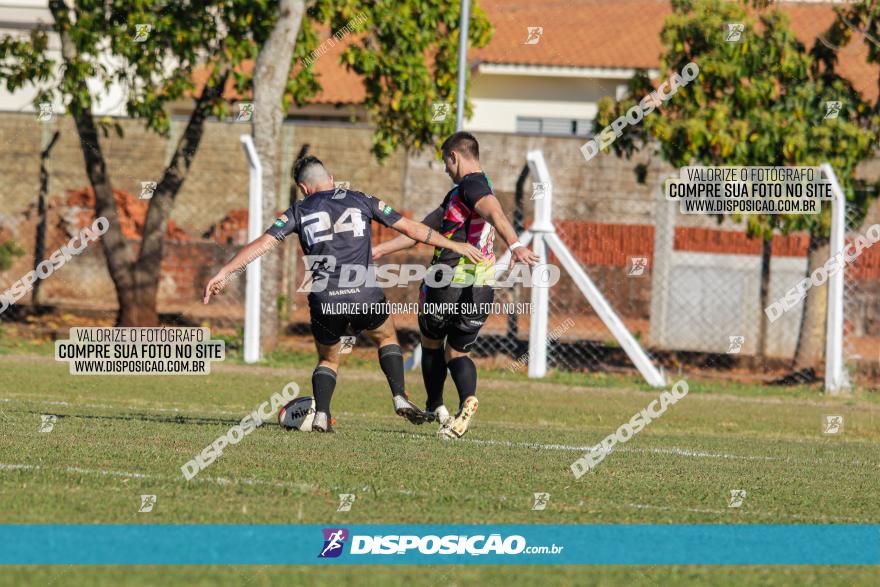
column 117, row 438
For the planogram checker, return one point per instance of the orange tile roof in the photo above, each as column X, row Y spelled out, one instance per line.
column 585, row 33
column 338, row 85
column 577, row 33
column 811, row 20
column 626, row 34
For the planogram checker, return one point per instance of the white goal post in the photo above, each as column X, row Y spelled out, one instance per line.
column 254, row 268
column 541, row 234
column 835, row 376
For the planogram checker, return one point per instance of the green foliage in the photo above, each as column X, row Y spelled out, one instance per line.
column 409, row 61
column 760, row 101
column 233, row 342
column 154, row 69
column 8, row 251
column 281, row 306
column 406, row 53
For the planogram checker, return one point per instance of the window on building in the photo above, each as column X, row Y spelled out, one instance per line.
column 554, row 126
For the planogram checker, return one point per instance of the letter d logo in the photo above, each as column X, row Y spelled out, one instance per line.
column 589, row 149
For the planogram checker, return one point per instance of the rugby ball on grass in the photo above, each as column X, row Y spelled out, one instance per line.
column 298, row 414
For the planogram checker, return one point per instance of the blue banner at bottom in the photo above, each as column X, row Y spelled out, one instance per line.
column 169, row 544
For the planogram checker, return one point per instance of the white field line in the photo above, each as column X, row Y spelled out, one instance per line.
column 504, row 385
column 307, row 487
column 682, row 452
column 200, row 478
column 189, row 412
column 739, row 511
column 568, row 447
column 7, row 467
column 505, row 443
column 671, row 451
column 81, row 471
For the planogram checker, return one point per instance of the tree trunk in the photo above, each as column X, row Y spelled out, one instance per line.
column 766, row 253
column 119, row 255
column 811, row 338
column 141, row 305
column 271, row 75
column 137, row 304
column 40, row 244
column 136, row 279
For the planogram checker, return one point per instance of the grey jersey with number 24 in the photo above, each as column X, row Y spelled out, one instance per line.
column 335, row 231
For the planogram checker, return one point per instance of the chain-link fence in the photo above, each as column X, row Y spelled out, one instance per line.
column 686, row 287
column 689, row 289
column 861, row 345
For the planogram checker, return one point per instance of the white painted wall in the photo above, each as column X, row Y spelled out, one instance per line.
column 18, row 17
column 708, row 297
column 498, row 99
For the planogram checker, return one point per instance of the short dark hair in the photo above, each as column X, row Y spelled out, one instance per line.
column 462, row 142
column 302, row 165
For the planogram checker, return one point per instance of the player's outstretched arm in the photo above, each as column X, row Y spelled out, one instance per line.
column 422, row 233
column 250, row 252
column 398, row 243
column 490, row 209
column 402, row 242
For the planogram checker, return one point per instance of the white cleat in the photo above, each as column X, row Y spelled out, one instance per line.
column 322, row 423
column 439, row 414
column 459, row 425
column 406, row 409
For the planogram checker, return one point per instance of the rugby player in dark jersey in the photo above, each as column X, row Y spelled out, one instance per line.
column 470, row 213
column 335, row 233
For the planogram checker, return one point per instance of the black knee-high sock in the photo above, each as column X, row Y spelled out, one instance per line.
column 434, row 374
column 464, row 374
column 391, row 361
column 323, row 384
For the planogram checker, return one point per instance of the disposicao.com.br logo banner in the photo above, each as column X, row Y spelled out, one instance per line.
column 368, row 544
column 476, row 544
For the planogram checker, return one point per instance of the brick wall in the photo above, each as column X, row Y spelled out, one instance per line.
column 604, row 250
column 605, row 190
column 601, row 210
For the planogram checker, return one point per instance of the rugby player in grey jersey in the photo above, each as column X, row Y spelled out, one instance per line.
column 334, row 227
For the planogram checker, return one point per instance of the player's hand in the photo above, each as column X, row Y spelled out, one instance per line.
column 378, row 253
column 215, row 286
column 469, row 251
column 523, row 255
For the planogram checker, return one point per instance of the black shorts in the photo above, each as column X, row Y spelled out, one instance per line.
column 329, row 328
column 461, row 313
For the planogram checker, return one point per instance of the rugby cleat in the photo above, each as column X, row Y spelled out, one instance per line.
column 439, row 414
column 459, row 424
column 322, row 423
column 406, row 409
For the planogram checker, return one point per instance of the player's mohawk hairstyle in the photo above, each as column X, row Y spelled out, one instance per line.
column 305, row 168
column 464, row 143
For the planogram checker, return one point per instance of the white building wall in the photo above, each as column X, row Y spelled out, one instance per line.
column 498, row 99
column 18, row 17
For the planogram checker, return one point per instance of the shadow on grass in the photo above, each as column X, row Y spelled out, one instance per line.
column 179, row 419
